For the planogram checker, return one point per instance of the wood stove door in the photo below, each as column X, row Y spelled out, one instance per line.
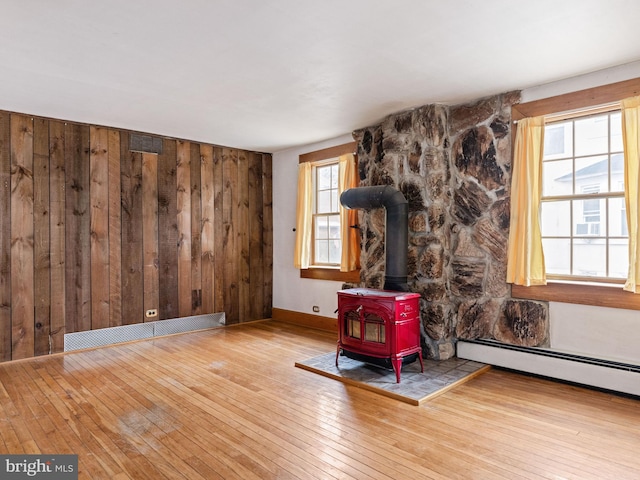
column 364, row 326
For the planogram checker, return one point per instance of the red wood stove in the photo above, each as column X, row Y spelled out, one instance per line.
column 381, row 327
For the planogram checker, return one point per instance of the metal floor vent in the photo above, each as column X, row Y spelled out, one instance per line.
column 138, row 331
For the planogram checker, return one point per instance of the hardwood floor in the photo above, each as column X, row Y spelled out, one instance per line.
column 228, row 403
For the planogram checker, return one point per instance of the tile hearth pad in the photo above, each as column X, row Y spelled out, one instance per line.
column 414, row 388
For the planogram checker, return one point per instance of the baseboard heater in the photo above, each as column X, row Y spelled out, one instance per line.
column 138, row 331
column 599, row 373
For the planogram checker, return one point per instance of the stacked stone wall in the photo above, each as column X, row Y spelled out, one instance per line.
column 453, row 165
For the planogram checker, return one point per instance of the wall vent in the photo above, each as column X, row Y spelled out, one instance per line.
column 138, row 331
column 145, row 143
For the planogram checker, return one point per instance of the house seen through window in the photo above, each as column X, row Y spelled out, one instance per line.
column 583, row 218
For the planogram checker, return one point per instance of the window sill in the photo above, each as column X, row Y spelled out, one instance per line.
column 330, row 274
column 584, row 294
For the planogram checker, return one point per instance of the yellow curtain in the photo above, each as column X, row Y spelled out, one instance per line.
column 525, row 261
column 348, row 178
column 302, row 251
column 631, row 142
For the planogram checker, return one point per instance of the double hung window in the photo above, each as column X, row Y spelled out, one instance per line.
column 327, row 239
column 575, row 198
column 327, row 245
column 583, row 218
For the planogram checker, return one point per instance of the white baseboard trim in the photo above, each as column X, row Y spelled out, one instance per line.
column 615, row 376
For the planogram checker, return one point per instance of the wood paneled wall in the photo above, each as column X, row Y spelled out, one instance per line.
column 92, row 234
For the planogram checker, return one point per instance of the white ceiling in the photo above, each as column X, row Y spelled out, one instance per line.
column 267, row 75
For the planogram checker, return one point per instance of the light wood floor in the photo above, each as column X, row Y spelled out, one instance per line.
column 228, row 403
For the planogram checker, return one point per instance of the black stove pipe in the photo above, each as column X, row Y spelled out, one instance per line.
column 396, row 228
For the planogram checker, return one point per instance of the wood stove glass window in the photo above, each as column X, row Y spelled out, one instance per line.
column 373, row 328
column 352, row 324
column 370, row 328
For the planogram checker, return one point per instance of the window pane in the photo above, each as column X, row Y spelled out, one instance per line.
column 324, row 202
column 617, row 218
column 335, row 205
column 322, row 251
column 558, row 140
column 557, row 255
column 335, row 251
column 322, row 227
column 616, row 132
column 618, row 258
column 589, row 217
column 590, row 257
column 323, row 177
column 555, row 219
column 617, row 172
column 592, row 135
column 334, row 226
column 592, row 174
column 334, row 175
column 557, row 178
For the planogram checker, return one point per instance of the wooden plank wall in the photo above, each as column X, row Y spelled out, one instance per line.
column 22, row 248
column 42, row 235
column 131, row 230
column 92, row 234
column 5, row 237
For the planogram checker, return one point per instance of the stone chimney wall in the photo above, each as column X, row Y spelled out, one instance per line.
column 453, row 165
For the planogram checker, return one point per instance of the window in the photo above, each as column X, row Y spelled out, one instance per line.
column 584, row 232
column 586, row 293
column 327, row 247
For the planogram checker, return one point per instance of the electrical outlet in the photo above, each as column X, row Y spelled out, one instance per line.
column 151, row 313
column 316, row 309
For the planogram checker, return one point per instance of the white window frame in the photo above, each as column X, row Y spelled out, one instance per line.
column 595, row 230
column 315, row 262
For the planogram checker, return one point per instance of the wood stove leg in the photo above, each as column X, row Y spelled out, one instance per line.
column 337, row 354
column 421, row 364
column 397, row 366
